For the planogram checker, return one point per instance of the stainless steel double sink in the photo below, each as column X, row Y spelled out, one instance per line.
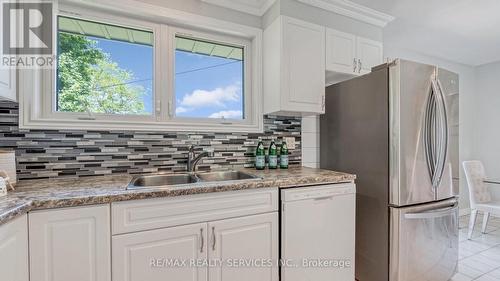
column 169, row 180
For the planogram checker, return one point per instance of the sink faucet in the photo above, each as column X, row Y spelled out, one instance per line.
column 192, row 160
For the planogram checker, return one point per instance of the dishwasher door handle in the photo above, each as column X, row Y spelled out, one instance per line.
column 322, row 192
column 324, row 198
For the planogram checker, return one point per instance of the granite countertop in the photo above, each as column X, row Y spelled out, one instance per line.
column 56, row 193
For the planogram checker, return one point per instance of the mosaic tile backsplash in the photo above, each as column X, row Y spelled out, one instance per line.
column 71, row 153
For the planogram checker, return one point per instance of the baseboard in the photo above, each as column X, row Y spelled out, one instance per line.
column 464, row 212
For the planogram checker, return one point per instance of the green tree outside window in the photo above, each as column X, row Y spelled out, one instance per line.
column 90, row 81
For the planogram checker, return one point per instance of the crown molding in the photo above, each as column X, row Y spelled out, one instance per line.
column 256, row 7
column 352, row 10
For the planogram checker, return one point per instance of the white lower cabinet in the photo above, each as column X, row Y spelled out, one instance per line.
column 162, row 254
column 14, row 250
column 70, row 244
column 247, row 245
column 233, row 236
column 171, row 253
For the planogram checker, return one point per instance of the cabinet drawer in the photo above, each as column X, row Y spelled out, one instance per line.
column 165, row 212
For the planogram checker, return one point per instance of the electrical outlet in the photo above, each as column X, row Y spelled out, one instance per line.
column 290, row 142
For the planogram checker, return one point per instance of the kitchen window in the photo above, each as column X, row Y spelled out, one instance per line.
column 116, row 73
column 208, row 79
column 96, row 71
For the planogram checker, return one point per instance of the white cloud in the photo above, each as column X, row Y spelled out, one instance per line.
column 181, row 109
column 229, row 114
column 217, row 97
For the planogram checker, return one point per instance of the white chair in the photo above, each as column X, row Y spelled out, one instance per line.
column 480, row 196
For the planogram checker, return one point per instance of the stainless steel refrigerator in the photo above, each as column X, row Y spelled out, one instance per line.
column 396, row 128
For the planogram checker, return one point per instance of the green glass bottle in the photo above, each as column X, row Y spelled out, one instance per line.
column 273, row 155
column 284, row 156
column 260, row 156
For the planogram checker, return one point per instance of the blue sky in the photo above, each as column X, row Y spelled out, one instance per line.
column 208, row 86
column 204, row 86
column 135, row 58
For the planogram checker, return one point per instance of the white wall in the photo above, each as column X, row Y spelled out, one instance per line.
column 209, row 10
column 296, row 9
column 468, row 114
column 487, row 134
column 310, row 142
column 319, row 16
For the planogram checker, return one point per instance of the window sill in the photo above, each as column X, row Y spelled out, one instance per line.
column 107, row 125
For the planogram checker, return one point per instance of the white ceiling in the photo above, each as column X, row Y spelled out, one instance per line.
column 465, row 31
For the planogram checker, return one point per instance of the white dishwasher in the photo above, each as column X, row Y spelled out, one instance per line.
column 318, row 233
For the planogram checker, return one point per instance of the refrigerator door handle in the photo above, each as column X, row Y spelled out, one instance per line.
column 435, row 133
column 444, row 130
column 431, row 134
column 431, row 214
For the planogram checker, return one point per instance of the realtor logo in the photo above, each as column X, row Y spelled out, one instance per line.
column 27, row 37
column 27, row 28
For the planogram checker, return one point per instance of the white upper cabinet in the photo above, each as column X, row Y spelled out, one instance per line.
column 369, row 53
column 14, row 250
column 348, row 55
column 70, row 244
column 294, row 67
column 300, row 58
column 8, row 84
column 340, row 51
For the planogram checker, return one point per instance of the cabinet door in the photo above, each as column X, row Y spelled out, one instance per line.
column 8, row 84
column 246, row 239
column 369, row 53
column 340, row 51
column 14, row 250
column 70, row 244
column 162, row 254
column 303, row 66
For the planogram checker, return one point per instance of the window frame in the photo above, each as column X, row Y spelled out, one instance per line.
column 37, row 88
column 50, row 109
column 247, row 75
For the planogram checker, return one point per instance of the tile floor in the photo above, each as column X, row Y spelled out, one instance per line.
column 479, row 258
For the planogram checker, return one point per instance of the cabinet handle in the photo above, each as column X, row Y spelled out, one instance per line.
column 213, row 238
column 323, row 103
column 359, row 65
column 202, row 240
column 354, row 65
